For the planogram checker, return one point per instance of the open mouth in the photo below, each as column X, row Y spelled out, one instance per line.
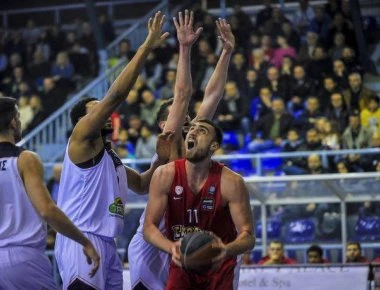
column 190, row 144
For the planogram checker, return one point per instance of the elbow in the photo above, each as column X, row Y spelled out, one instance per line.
column 146, row 233
column 184, row 92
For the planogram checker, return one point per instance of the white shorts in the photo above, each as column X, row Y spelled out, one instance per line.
column 72, row 263
column 25, row 268
column 147, row 264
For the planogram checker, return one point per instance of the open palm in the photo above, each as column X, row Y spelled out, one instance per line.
column 185, row 30
column 225, row 34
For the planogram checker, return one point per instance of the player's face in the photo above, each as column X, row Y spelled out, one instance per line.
column 199, row 141
column 107, row 129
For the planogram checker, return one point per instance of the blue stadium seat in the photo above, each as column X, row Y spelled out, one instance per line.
column 300, row 231
column 271, row 164
column 242, row 166
column 368, row 229
column 230, row 140
column 273, row 229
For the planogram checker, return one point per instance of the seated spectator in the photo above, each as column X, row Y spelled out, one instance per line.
column 52, row 96
column 337, row 112
column 38, row 113
column 146, row 143
column 370, row 209
column 53, row 183
column 277, row 84
column 152, row 70
column 264, row 14
column 315, row 255
column 80, row 58
column 129, row 107
column 354, row 253
column 133, row 129
column 357, row 96
column 286, row 70
column 329, row 87
column 340, row 73
column 342, row 167
column 355, row 136
column 276, row 255
column 309, row 117
column 320, row 65
column 369, row 162
column 291, row 35
column 251, row 86
column 292, row 143
column 149, row 107
column 267, row 47
column 247, row 259
column 283, row 50
column 237, row 69
column 166, row 91
column 336, row 51
column 258, row 62
column 26, row 112
column 261, row 106
column 370, row 116
column 306, row 51
column 232, row 111
column 303, row 16
column 62, row 68
column 341, row 25
column 314, row 165
column 270, row 131
column 39, row 68
column 320, row 24
column 331, row 136
column 273, row 26
column 212, row 60
column 351, row 61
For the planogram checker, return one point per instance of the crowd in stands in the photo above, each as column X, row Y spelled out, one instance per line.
column 42, row 66
column 295, row 84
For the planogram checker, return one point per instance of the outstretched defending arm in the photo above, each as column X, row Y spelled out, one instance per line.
column 215, row 87
column 183, row 84
column 90, row 125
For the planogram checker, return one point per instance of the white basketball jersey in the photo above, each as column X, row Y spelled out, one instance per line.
column 94, row 198
column 20, row 223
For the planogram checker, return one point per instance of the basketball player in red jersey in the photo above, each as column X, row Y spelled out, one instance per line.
column 199, row 194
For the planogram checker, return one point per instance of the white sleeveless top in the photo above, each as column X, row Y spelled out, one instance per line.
column 20, row 223
column 94, row 198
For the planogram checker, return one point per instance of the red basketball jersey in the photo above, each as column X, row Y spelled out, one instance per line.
column 188, row 212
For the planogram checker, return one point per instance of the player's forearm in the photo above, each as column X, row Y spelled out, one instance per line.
column 62, row 224
column 146, row 176
column 183, row 83
column 153, row 236
column 126, row 79
column 215, row 87
column 244, row 242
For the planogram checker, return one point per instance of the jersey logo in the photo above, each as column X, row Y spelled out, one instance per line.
column 177, row 197
column 178, row 190
column 208, row 203
column 179, row 231
column 211, row 189
column 117, row 208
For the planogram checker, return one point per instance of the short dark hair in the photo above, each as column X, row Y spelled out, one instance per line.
column 7, row 112
column 315, row 248
column 218, row 130
column 353, row 243
column 163, row 112
column 80, row 110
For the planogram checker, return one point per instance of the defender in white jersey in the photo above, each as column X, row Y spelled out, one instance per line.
column 94, row 182
column 25, row 206
column 148, row 265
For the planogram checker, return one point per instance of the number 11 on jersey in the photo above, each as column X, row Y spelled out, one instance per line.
column 193, row 214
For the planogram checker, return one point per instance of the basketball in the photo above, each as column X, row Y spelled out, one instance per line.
column 197, row 251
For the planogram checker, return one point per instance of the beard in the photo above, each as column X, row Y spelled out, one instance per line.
column 197, row 156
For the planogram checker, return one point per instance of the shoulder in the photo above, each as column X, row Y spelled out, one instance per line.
column 231, row 178
column 29, row 161
column 167, row 169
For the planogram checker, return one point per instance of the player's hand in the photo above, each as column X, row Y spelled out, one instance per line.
column 225, row 35
column 163, row 146
column 185, row 30
column 218, row 261
column 155, row 36
column 92, row 257
column 176, row 253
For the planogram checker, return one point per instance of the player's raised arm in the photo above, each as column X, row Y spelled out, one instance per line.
column 183, row 85
column 236, row 193
column 157, row 203
column 215, row 87
column 31, row 172
column 90, row 125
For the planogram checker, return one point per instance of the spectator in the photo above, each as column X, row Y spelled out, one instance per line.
column 259, row 64
column 310, row 116
column 291, row 35
column 303, row 16
column 39, row 68
column 370, row 116
column 146, row 143
column 247, row 259
column 52, row 96
column 340, row 73
column 357, row 96
column 314, row 165
column 62, row 68
column 267, row 47
column 261, row 105
column 270, row 131
column 369, row 162
column 56, row 39
column 320, row 65
column 336, row 51
column 353, row 253
column 26, row 112
column 277, row 83
column 264, row 14
column 355, row 136
column 332, row 7
column 276, row 255
column 30, row 33
column 233, row 110
column 149, row 107
column 315, row 255
column 337, row 113
column 106, row 28
column 80, row 58
column 152, row 70
column 238, row 69
column 341, row 25
column 329, row 87
column 273, row 27
column 53, row 183
column 251, row 86
column 342, row 167
column 133, row 129
column 212, row 60
column 292, row 144
column 320, row 24
column 306, row 51
column 331, row 138
column 284, row 49
column 166, row 91
column 129, row 107
column 38, row 113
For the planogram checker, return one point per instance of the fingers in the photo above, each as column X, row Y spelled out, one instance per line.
column 180, row 18
column 176, row 24
column 150, row 22
column 199, row 31
column 95, row 268
column 164, row 36
column 187, row 17
column 191, row 18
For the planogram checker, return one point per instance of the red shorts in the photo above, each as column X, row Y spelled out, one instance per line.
column 223, row 279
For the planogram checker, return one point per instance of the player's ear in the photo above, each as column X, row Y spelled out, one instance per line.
column 215, row 146
column 161, row 124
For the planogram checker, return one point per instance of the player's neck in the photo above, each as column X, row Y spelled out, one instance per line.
column 7, row 137
column 198, row 170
